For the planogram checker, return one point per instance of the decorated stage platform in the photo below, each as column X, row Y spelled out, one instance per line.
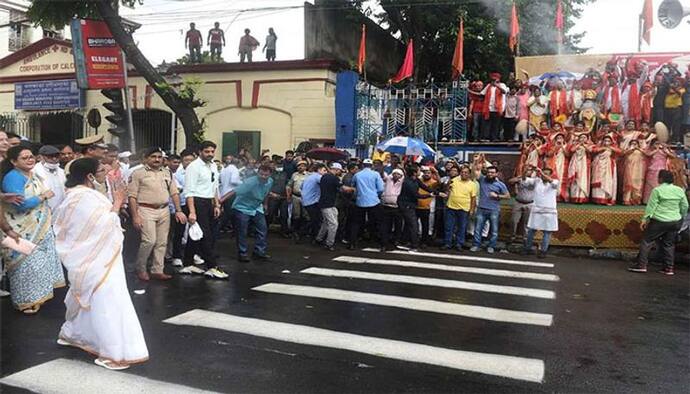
column 589, row 225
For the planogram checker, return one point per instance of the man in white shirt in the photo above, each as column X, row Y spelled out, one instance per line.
column 51, row 174
column 494, row 105
column 186, row 157
column 201, row 190
column 543, row 215
column 229, row 180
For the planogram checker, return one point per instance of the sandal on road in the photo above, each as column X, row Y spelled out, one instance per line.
column 111, row 365
column 32, row 310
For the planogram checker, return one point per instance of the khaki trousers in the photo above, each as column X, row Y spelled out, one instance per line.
column 154, row 238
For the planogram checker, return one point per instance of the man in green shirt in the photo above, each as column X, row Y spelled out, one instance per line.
column 662, row 219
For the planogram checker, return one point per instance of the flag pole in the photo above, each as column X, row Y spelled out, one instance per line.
column 639, row 33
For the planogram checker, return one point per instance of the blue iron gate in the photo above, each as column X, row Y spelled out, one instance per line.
column 436, row 113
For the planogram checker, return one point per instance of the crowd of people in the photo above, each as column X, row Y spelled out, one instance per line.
column 606, row 166
column 194, row 41
column 627, row 90
column 85, row 210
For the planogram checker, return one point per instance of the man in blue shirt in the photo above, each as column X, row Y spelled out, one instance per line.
column 491, row 191
column 311, row 193
column 247, row 208
column 368, row 186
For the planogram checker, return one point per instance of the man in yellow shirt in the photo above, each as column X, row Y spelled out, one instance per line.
column 673, row 110
column 462, row 196
column 430, row 180
column 379, row 154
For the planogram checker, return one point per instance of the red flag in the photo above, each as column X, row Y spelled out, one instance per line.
column 514, row 29
column 458, row 55
column 362, row 58
column 407, row 68
column 559, row 21
column 648, row 20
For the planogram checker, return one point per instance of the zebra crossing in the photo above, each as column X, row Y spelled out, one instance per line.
column 363, row 279
column 506, row 366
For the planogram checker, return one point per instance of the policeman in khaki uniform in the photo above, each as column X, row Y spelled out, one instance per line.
column 149, row 190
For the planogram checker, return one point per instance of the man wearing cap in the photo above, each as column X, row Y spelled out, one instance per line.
column 368, row 186
column 123, row 158
column 294, row 194
column 330, row 185
column 392, row 184
column 493, row 107
column 149, row 190
column 51, row 174
column 92, row 147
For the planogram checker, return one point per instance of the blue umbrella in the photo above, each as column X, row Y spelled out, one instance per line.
column 560, row 74
column 406, row 146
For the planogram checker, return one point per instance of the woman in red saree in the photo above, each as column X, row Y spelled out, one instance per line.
column 635, row 163
column 532, row 152
column 579, row 170
column 557, row 161
column 604, row 172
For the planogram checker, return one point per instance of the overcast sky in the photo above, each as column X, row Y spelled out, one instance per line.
column 611, row 26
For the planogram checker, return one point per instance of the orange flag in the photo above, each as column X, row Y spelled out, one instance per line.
column 648, row 21
column 407, row 68
column 559, row 22
column 514, row 29
column 362, row 58
column 458, row 55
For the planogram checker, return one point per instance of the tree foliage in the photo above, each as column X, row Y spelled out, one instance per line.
column 433, row 24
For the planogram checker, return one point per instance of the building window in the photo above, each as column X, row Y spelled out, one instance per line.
column 52, row 34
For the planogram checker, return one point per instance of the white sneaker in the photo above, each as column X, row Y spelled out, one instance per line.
column 177, row 263
column 490, row 250
column 4, row 293
column 198, row 260
column 191, row 270
column 474, row 249
column 216, row 273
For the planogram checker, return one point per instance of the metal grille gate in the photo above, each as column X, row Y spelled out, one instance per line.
column 436, row 113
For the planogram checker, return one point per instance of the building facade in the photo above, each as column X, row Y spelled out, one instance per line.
column 257, row 106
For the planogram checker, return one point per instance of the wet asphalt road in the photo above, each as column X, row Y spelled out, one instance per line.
column 612, row 331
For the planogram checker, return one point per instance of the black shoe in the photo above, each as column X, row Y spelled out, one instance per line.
column 458, row 248
column 243, row 258
column 444, row 247
column 258, row 256
column 525, row 252
column 330, row 248
column 637, row 268
column 351, row 247
column 541, row 254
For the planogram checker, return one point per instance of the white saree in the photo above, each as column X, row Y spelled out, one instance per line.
column 100, row 317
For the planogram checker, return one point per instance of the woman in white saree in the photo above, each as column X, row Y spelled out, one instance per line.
column 100, row 317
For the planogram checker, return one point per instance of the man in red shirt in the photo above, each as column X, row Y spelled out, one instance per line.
column 216, row 40
column 477, row 104
column 193, row 41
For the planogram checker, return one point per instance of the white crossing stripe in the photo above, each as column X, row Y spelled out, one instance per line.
column 463, row 257
column 520, row 368
column 417, row 304
column 454, row 268
column 70, row 376
column 423, row 281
